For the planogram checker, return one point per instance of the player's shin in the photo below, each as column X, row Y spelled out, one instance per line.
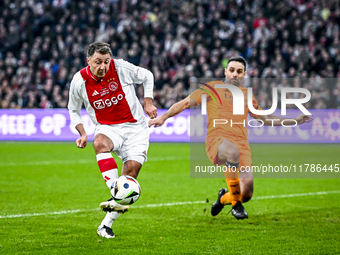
column 108, row 167
column 232, row 177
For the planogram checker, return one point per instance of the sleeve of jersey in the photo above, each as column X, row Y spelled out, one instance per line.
column 256, row 106
column 140, row 75
column 75, row 102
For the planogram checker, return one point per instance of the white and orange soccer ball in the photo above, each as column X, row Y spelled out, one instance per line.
column 125, row 190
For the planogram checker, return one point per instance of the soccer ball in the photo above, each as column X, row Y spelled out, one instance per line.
column 125, row 190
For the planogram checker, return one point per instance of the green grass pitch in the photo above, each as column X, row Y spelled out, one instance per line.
column 50, row 192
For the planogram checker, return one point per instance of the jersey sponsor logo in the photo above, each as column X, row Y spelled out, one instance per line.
column 104, row 91
column 101, row 104
column 95, row 93
column 113, row 86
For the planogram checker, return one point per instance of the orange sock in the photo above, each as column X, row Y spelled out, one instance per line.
column 234, row 193
column 226, row 199
column 234, row 190
column 233, row 182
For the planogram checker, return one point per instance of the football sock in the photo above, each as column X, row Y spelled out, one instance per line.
column 233, row 182
column 108, row 167
column 226, row 199
column 234, row 190
column 109, row 218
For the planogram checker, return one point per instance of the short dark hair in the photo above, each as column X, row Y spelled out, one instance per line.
column 238, row 59
column 100, row 47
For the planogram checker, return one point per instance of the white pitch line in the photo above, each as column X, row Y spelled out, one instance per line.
column 299, row 195
column 43, row 214
column 171, row 204
column 80, row 161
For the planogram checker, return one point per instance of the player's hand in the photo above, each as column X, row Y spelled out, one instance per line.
column 82, row 141
column 149, row 108
column 157, row 122
column 302, row 118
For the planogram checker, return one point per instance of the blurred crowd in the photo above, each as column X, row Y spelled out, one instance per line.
column 285, row 42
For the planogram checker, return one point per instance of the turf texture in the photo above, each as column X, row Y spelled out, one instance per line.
column 50, row 194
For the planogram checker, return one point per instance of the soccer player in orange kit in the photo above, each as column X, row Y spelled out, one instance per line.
column 228, row 144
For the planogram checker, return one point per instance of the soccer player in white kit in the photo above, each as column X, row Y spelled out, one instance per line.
column 106, row 88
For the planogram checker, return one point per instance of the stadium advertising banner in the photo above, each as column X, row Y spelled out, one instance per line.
column 55, row 125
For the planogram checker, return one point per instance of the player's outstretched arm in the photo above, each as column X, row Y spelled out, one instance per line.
column 302, row 118
column 82, row 140
column 273, row 120
column 173, row 110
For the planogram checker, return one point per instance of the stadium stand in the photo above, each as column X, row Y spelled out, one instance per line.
column 43, row 43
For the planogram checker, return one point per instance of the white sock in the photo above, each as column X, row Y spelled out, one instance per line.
column 108, row 167
column 109, row 170
column 109, row 218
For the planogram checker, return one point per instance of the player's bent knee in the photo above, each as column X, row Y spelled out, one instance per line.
column 102, row 143
column 232, row 155
column 235, row 155
column 229, row 152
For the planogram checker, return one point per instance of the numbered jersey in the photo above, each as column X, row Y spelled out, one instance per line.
column 111, row 99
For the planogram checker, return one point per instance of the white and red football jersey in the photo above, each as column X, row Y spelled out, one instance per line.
column 111, row 99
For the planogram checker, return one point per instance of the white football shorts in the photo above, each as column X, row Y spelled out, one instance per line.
column 130, row 140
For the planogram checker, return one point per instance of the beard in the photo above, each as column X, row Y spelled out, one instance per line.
column 234, row 81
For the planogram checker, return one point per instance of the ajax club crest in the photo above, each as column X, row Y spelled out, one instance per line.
column 113, row 86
